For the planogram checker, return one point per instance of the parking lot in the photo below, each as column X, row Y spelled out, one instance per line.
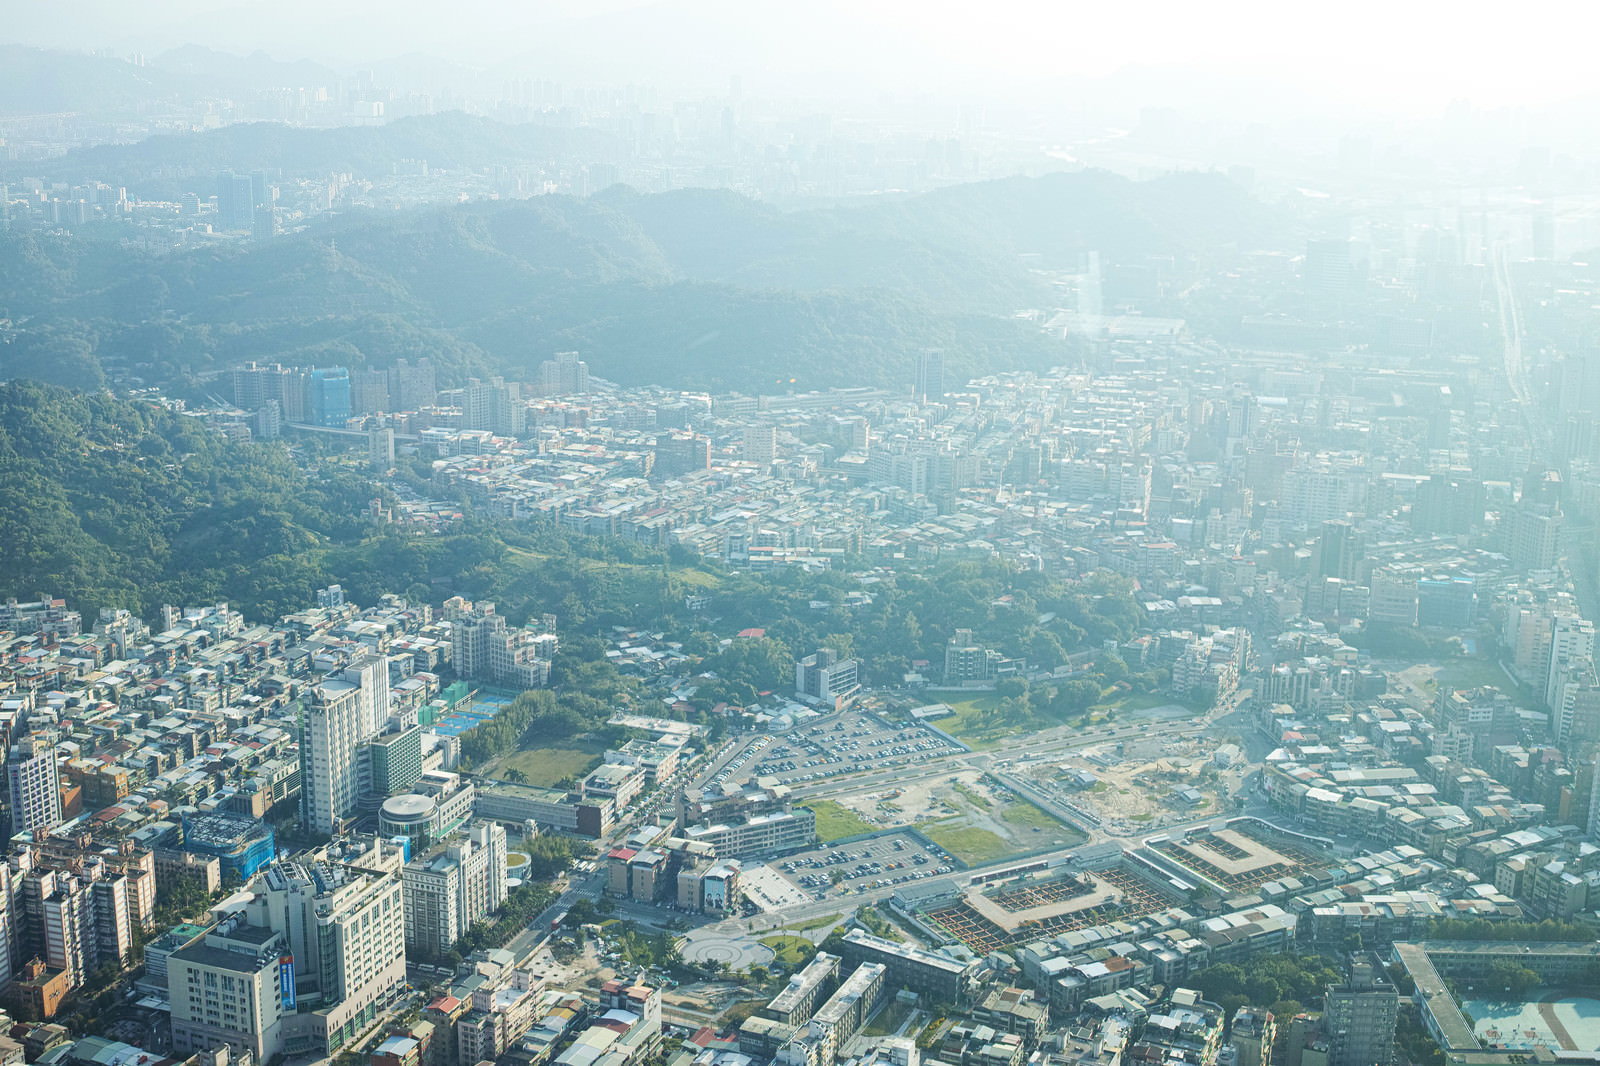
column 851, row 742
column 892, row 859
column 848, row 743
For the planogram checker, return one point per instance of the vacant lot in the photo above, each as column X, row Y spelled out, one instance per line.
column 970, row 844
column 835, row 821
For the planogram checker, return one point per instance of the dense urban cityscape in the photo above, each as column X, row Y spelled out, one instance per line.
column 525, row 568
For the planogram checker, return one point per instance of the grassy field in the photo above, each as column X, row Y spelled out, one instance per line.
column 813, row 923
column 1474, row 673
column 1025, row 815
column 790, row 952
column 834, row 821
column 546, row 766
column 968, row 724
column 967, row 843
column 1138, row 701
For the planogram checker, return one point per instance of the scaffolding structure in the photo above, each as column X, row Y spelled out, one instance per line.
column 1240, row 859
column 1104, row 896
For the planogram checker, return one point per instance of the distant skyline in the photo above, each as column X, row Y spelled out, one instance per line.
column 1402, row 59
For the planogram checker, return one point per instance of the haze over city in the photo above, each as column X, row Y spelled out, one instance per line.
column 696, row 533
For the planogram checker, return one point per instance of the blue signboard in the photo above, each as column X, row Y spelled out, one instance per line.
column 286, row 980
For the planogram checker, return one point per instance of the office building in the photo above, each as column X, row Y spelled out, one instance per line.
column 395, row 760
column 805, row 991
column 1359, row 1016
column 939, row 977
column 1342, row 549
column 827, row 679
column 452, row 886
column 33, row 787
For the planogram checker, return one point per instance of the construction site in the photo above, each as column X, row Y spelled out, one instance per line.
column 1236, row 860
column 986, row 920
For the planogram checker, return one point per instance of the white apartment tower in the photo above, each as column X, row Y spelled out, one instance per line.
column 331, row 728
column 35, row 791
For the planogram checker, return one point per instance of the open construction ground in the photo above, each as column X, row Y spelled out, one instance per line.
column 1138, row 785
column 967, row 813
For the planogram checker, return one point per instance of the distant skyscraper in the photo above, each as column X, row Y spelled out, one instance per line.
column 1343, row 547
column 330, row 396
column 930, row 376
column 1594, row 802
column 565, row 375
column 235, row 201
column 35, row 790
column 1329, row 270
column 760, row 444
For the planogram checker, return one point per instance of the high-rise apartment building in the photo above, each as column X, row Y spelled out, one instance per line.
column 452, row 886
column 331, row 730
column 760, row 444
column 369, row 391
column 411, row 387
column 565, row 375
column 1594, row 802
column 380, row 448
column 930, row 376
column 484, row 647
column 1359, row 1016
column 34, row 789
column 1535, row 538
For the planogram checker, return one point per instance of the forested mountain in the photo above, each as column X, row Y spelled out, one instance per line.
column 110, row 503
column 165, row 167
column 691, row 288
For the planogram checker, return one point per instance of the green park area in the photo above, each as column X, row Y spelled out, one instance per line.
column 790, row 952
column 544, row 767
column 836, row 821
column 976, row 721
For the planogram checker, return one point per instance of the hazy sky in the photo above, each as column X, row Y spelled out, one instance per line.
column 1402, row 55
